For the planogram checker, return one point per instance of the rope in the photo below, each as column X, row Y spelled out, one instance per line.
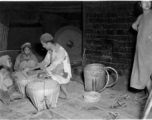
column 45, row 97
column 44, row 94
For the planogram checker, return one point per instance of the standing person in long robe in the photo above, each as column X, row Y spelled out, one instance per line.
column 142, row 67
column 56, row 63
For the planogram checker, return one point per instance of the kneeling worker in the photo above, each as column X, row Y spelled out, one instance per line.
column 56, row 64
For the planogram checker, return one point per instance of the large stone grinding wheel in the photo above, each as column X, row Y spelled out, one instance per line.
column 70, row 38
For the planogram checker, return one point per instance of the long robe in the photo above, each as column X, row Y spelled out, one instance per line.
column 142, row 67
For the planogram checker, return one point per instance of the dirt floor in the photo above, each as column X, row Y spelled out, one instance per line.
column 115, row 103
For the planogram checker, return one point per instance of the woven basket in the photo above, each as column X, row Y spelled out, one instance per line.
column 91, row 97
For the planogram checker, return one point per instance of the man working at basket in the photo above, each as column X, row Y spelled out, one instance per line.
column 56, row 64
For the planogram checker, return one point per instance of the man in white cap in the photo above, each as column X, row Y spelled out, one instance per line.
column 56, row 63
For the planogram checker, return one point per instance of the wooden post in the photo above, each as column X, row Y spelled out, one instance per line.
column 148, row 107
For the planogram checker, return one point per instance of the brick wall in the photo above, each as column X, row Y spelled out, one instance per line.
column 109, row 38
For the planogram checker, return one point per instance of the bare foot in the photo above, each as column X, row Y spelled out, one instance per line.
column 65, row 96
column 62, row 96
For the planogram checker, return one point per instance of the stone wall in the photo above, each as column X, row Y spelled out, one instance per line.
column 109, row 38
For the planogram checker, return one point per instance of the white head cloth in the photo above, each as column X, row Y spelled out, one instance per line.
column 4, row 60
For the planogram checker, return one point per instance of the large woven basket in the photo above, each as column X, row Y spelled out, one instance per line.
column 92, row 97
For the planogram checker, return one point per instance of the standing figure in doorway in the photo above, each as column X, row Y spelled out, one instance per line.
column 142, row 67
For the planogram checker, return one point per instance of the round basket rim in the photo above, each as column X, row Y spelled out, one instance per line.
column 92, row 96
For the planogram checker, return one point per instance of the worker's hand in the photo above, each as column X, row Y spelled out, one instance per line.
column 42, row 75
column 31, row 72
column 39, row 71
column 150, row 38
column 41, row 65
column 34, row 68
column 135, row 26
column 25, row 69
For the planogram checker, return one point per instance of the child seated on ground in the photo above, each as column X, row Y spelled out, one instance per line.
column 26, row 59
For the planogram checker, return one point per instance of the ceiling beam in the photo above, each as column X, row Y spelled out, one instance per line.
column 61, row 10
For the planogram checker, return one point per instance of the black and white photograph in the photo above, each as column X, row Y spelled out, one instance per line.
column 78, row 59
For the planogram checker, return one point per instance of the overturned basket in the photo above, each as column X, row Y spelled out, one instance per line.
column 91, row 97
